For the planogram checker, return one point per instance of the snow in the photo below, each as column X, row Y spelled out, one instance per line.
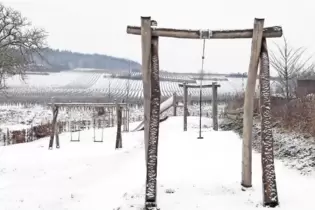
column 166, row 104
column 192, row 173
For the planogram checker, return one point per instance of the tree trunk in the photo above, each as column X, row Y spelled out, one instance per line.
column 270, row 195
column 150, row 199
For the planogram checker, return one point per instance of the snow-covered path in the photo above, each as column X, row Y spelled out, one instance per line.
column 193, row 174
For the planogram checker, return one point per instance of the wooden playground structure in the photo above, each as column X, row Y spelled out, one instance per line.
column 150, row 34
column 118, row 107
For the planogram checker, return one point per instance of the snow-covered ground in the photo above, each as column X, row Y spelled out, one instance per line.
column 21, row 117
column 192, row 173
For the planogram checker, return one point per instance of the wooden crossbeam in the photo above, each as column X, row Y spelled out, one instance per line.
column 198, row 86
column 86, row 104
column 268, row 32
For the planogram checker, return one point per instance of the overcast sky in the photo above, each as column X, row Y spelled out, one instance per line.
column 99, row 26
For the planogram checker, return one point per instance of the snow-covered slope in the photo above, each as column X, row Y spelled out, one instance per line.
column 192, row 173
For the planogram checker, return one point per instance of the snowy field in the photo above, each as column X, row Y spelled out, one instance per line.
column 192, row 174
column 77, row 85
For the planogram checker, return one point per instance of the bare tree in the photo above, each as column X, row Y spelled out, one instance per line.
column 290, row 63
column 19, row 43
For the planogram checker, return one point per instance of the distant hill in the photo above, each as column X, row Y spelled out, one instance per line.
column 60, row 60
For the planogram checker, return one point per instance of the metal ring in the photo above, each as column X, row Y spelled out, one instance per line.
column 205, row 34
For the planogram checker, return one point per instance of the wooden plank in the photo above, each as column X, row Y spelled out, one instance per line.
column 270, row 193
column 146, row 75
column 269, row 32
column 249, row 104
column 154, row 124
column 198, row 86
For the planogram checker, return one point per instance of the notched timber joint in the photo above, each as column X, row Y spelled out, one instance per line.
column 205, row 34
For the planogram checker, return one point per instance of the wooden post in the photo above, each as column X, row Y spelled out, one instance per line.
column 57, row 131
column 128, row 119
column 185, row 106
column 53, row 129
column 270, row 195
column 215, row 106
column 152, row 156
column 118, row 135
column 124, row 122
column 146, row 75
column 248, row 103
column 174, row 104
column 8, row 137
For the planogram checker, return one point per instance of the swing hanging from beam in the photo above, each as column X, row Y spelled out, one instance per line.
column 150, row 75
column 74, row 128
column 102, row 130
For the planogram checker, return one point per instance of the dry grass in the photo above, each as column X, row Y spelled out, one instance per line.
column 297, row 115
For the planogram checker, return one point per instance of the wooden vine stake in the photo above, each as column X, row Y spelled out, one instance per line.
column 249, row 103
column 270, row 195
column 152, row 158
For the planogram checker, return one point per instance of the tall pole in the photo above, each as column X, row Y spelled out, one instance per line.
column 201, row 78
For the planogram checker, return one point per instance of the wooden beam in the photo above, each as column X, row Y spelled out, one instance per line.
column 249, row 103
column 269, row 32
column 198, row 86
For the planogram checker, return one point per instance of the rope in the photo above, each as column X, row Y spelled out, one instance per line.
column 202, row 60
